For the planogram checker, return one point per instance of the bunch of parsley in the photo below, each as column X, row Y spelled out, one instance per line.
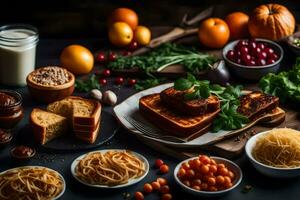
column 228, row 118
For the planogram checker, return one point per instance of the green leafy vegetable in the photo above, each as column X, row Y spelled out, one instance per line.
column 285, row 85
column 228, row 118
column 88, row 84
column 163, row 56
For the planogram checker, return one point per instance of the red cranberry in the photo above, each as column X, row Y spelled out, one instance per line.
column 262, row 55
column 230, row 55
column 133, row 46
column 269, row 51
column 261, row 46
column 101, row 57
column 131, row 82
column 261, row 62
column 126, row 53
column 252, row 63
column 106, row 72
column 273, row 56
column 270, row 61
column 102, row 81
column 252, row 45
column 246, row 58
column 119, row 81
column 238, row 61
column 112, row 56
column 244, row 50
column 256, row 51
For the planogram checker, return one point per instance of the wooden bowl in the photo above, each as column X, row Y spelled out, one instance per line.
column 49, row 94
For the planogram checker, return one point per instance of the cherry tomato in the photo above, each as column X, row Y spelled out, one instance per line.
column 186, row 166
column 131, row 82
column 228, row 185
column 220, row 166
column 181, row 173
column 139, row 196
column 196, row 187
column 196, row 182
column 165, row 189
column 102, row 81
column 106, row 73
column 101, row 58
column 195, row 163
column 164, row 168
column 212, row 189
column 204, row 186
column 148, row 188
column 158, row 163
column 223, row 171
column 190, row 173
column 220, row 180
column 133, row 46
column 187, row 183
column 155, row 185
column 213, row 169
column 204, row 169
column 119, row 81
column 204, row 159
column 231, row 174
column 112, row 56
column 166, row 197
column 213, row 162
column 227, row 180
column 211, row 181
column 162, row 181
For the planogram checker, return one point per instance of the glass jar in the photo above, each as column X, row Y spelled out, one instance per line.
column 17, row 53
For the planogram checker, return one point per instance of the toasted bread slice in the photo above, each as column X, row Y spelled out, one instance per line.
column 152, row 108
column 88, row 136
column 174, row 99
column 256, row 103
column 46, row 125
column 63, row 107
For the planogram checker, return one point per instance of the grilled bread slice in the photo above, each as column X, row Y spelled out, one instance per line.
column 256, row 104
column 174, row 99
column 88, row 136
column 152, row 108
column 46, row 125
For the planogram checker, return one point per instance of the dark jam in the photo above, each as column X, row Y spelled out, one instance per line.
column 4, row 136
column 22, row 151
column 6, row 100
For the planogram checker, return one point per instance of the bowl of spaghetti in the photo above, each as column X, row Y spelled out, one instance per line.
column 111, row 168
column 275, row 153
column 31, row 182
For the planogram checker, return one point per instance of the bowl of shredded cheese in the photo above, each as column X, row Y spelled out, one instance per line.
column 275, row 153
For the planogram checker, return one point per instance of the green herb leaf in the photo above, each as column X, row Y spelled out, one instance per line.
column 183, row 84
column 85, row 85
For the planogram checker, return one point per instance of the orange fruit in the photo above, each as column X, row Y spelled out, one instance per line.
column 213, row 33
column 77, row 59
column 124, row 15
column 142, row 35
column 120, row 34
column 238, row 25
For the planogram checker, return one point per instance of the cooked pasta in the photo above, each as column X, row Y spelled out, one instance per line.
column 30, row 183
column 278, row 148
column 109, row 168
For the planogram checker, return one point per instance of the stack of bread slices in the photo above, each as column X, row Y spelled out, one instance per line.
column 76, row 113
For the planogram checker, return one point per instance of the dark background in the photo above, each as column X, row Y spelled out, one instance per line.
column 87, row 18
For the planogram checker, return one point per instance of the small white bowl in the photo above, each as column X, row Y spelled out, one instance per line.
column 229, row 164
column 267, row 170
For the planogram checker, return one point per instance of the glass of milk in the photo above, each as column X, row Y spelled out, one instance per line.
column 17, row 53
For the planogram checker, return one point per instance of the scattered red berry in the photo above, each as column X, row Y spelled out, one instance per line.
column 112, row 56
column 102, row 81
column 101, row 58
column 119, row 81
column 126, row 53
column 131, row 82
column 165, row 189
column 166, row 197
column 139, row 196
column 106, row 73
column 164, row 168
column 158, row 163
column 148, row 188
column 133, row 46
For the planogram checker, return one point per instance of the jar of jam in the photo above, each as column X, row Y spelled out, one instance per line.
column 11, row 110
column 5, row 138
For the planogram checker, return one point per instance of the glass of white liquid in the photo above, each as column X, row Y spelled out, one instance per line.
column 17, row 53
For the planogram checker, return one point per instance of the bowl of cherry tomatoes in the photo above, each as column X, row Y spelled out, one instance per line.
column 208, row 176
column 251, row 59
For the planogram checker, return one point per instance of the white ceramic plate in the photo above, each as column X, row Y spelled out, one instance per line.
column 265, row 169
column 130, row 107
column 62, row 178
column 130, row 181
column 229, row 164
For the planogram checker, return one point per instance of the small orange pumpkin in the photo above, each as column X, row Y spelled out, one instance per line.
column 271, row 21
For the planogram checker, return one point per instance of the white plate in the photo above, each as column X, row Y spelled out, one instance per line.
column 130, row 107
column 267, row 170
column 130, row 181
column 62, row 178
column 229, row 164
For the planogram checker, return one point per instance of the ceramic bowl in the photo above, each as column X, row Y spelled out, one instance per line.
column 270, row 171
column 291, row 45
column 253, row 73
column 49, row 94
column 229, row 164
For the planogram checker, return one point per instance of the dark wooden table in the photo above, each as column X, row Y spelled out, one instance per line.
column 48, row 54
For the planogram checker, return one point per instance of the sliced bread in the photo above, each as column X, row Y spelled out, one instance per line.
column 88, row 136
column 46, row 125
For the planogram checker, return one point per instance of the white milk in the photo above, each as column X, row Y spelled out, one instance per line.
column 17, row 53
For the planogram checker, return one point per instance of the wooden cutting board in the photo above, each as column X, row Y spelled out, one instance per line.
column 231, row 147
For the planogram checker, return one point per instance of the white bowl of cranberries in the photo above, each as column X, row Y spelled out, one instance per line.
column 252, row 58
